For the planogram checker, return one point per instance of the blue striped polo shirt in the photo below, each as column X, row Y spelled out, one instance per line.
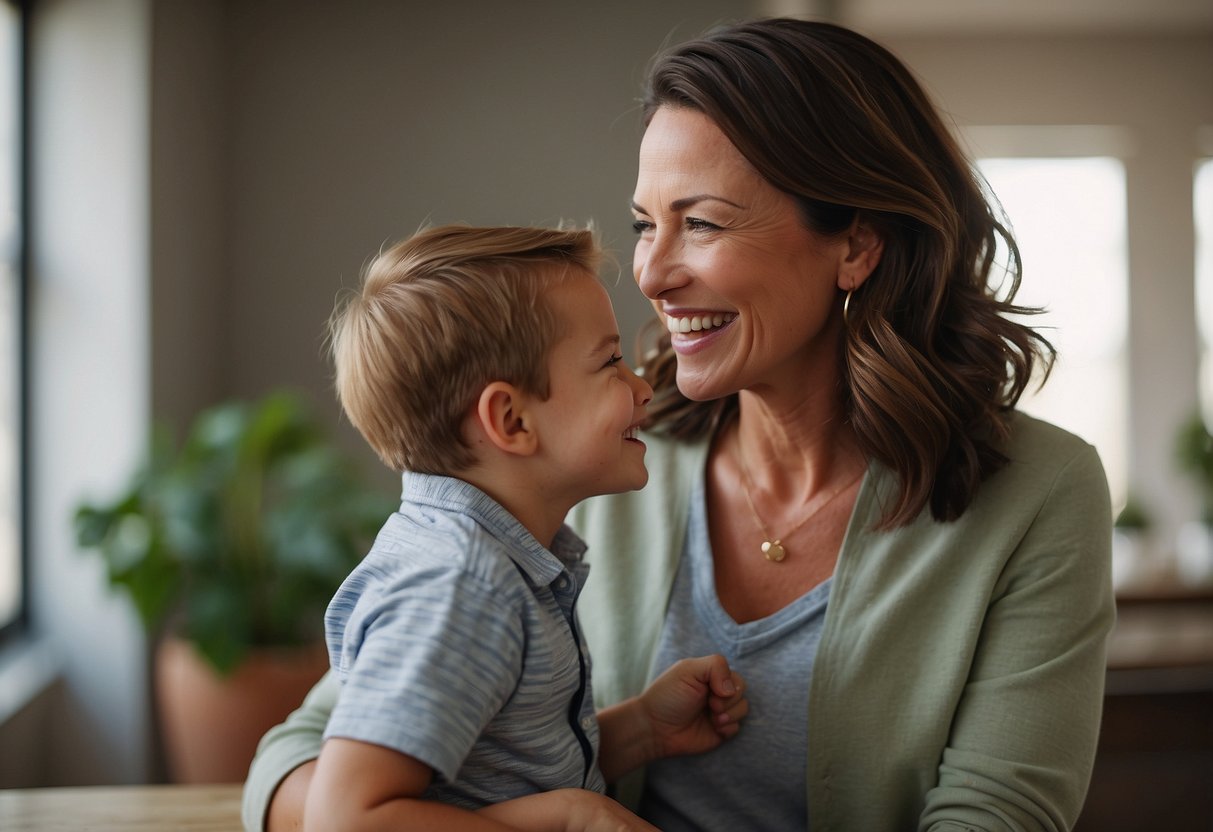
column 457, row 643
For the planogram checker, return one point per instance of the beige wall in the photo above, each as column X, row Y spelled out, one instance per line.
column 341, row 127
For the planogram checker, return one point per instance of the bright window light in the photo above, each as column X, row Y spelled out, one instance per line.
column 1068, row 217
column 1203, row 209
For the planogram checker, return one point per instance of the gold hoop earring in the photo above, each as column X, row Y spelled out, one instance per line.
column 846, row 307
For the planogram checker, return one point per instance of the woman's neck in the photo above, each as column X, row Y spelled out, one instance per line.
column 794, row 449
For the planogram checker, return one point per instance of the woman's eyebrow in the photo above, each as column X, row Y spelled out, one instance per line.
column 688, row 201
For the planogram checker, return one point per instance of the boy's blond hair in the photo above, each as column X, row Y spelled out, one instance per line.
column 438, row 317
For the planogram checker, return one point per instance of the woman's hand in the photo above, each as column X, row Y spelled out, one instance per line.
column 566, row 810
column 691, row 708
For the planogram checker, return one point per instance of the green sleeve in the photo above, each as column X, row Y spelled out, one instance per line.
column 285, row 747
column 1023, row 738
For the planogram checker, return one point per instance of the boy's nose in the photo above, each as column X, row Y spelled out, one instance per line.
column 642, row 392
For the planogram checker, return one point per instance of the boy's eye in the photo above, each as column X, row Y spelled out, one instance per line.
column 613, row 360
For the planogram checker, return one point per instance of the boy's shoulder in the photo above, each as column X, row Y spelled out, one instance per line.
column 414, row 542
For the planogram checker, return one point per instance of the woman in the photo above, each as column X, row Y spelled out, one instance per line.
column 912, row 577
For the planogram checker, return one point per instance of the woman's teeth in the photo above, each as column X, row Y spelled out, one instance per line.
column 631, row 432
column 698, row 323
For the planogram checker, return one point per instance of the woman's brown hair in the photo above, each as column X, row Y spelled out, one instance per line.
column 932, row 366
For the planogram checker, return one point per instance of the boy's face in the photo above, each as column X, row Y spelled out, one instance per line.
column 589, row 423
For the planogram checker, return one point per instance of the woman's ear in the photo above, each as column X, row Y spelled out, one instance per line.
column 502, row 416
column 864, row 247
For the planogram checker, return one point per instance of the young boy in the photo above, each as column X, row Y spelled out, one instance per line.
column 484, row 364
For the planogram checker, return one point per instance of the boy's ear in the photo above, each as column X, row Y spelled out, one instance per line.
column 502, row 415
column 864, row 247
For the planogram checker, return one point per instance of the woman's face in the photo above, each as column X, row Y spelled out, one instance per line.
column 747, row 291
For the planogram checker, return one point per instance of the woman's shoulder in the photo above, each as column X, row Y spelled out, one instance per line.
column 1037, row 441
column 1045, row 463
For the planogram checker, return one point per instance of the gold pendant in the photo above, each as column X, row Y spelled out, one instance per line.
column 774, row 550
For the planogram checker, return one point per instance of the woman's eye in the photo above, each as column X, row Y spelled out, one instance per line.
column 613, row 360
column 641, row 226
column 696, row 224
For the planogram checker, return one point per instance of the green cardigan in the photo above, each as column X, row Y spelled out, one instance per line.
column 959, row 679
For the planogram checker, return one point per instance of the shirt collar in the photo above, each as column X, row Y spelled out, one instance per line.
column 540, row 565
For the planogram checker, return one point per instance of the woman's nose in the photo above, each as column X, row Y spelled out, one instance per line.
column 655, row 266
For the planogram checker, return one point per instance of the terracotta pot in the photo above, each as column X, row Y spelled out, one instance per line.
column 210, row 724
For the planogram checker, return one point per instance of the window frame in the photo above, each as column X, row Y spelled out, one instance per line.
column 20, row 623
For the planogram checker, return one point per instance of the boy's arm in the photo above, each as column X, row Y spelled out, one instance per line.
column 567, row 810
column 633, row 733
column 359, row 787
column 691, row 708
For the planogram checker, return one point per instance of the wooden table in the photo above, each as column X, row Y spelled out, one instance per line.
column 1155, row 758
column 122, row 809
column 1162, row 631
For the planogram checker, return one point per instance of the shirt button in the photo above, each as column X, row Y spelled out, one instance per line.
column 562, row 582
column 587, row 722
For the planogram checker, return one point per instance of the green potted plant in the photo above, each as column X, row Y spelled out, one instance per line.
column 1194, row 456
column 230, row 547
column 1194, row 541
column 1133, row 517
column 1132, row 549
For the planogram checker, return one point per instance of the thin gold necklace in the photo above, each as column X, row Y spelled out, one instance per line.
column 772, row 547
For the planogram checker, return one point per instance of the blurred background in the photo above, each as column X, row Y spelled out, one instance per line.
column 189, row 183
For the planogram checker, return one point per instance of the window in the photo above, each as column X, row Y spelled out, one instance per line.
column 1203, row 208
column 12, row 320
column 1069, row 219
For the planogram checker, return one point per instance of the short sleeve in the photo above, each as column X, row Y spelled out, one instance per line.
column 426, row 664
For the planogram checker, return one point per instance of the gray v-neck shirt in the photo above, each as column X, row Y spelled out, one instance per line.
column 756, row 780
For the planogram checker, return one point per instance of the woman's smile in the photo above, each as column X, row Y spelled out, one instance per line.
column 684, row 324
column 690, row 333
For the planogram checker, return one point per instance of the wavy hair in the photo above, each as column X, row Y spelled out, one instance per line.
column 931, row 366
